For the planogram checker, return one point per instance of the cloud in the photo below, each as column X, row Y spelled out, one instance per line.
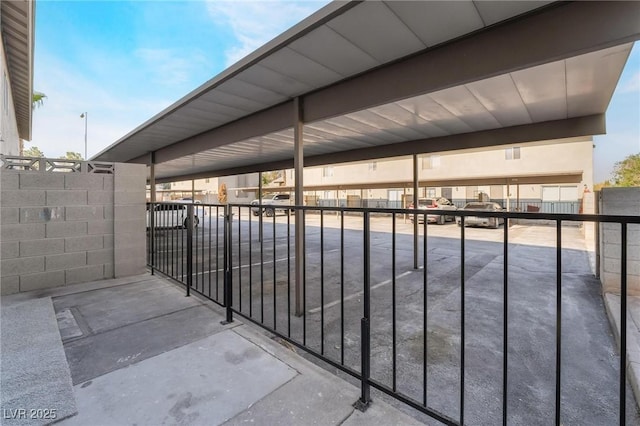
column 254, row 23
column 168, row 66
column 632, row 84
column 57, row 126
column 122, row 89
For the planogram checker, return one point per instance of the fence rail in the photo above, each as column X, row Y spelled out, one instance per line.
column 244, row 263
column 48, row 165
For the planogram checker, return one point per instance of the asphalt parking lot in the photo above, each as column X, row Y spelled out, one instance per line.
column 334, row 304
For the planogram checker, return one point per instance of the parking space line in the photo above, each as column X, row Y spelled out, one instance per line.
column 237, row 267
column 357, row 294
column 253, row 264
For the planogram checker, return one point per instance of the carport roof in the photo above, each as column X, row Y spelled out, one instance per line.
column 378, row 79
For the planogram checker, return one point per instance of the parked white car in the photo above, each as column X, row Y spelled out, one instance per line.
column 278, row 202
column 171, row 215
column 434, row 204
column 188, row 200
column 482, row 206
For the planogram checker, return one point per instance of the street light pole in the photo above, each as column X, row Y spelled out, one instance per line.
column 85, row 115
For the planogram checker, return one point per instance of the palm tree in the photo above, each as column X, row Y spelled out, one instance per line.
column 37, row 99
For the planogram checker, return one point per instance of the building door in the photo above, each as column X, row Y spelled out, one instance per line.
column 395, row 198
column 497, row 193
column 550, row 193
column 447, row 193
column 560, row 199
column 472, row 193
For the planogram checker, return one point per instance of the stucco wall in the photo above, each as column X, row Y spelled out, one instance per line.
column 537, row 158
column 619, row 201
column 61, row 228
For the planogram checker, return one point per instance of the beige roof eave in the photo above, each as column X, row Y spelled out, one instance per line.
column 18, row 25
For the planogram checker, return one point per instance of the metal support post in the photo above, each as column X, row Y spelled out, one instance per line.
column 508, row 206
column 365, row 361
column 152, row 212
column 260, row 206
column 415, row 216
column 298, row 161
column 152, row 236
column 228, row 266
column 152, row 178
column 189, row 248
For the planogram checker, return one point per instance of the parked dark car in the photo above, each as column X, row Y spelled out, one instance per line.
column 482, row 206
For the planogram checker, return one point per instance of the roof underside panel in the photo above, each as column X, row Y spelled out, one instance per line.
column 17, row 27
column 359, row 42
column 534, row 95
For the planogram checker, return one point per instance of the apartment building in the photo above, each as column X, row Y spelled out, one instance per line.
column 541, row 176
column 548, row 176
column 203, row 190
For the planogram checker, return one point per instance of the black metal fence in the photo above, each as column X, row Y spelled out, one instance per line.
column 515, row 205
column 245, row 263
column 190, row 251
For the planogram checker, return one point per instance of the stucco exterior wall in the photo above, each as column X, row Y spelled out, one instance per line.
column 235, row 195
column 61, row 228
column 554, row 157
column 539, row 158
column 9, row 139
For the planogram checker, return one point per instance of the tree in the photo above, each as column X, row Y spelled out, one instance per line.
column 72, row 156
column 627, row 171
column 222, row 193
column 599, row 186
column 37, row 99
column 268, row 177
column 34, row 151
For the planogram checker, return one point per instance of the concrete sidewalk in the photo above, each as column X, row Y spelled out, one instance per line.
column 141, row 353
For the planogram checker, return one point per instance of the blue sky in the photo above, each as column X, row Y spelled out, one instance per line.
column 125, row 61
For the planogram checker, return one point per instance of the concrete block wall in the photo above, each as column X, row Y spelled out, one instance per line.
column 619, row 201
column 129, row 210
column 60, row 228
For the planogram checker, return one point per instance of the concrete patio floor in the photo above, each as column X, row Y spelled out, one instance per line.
column 139, row 352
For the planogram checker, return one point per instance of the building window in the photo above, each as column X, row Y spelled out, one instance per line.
column 430, row 162
column 327, row 171
column 512, row 153
column 373, row 166
column 431, row 193
column 207, row 181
